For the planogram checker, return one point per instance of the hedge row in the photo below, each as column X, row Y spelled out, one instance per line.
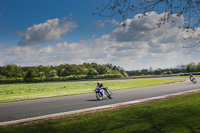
column 57, row 78
column 11, row 80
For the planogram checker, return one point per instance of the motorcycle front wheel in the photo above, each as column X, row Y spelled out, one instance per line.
column 99, row 96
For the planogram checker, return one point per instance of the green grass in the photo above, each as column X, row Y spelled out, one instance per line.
column 185, row 76
column 174, row 115
column 18, row 92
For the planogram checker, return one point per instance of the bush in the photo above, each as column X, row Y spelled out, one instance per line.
column 11, row 80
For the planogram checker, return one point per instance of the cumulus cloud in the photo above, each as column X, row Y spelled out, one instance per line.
column 140, row 44
column 54, row 54
column 52, row 29
column 144, row 29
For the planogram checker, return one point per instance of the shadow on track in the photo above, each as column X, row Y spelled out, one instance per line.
column 98, row 100
column 92, row 100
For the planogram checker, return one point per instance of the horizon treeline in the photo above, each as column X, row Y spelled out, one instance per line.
column 189, row 68
column 61, row 72
column 12, row 73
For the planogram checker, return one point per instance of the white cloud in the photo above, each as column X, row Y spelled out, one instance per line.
column 139, row 45
column 101, row 23
column 93, row 36
column 52, row 29
column 144, row 29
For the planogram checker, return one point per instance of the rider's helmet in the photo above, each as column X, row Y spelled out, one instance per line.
column 98, row 83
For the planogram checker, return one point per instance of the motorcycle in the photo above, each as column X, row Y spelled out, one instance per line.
column 194, row 81
column 103, row 94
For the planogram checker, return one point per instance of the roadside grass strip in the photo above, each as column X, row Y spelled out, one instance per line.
column 180, row 114
column 184, row 76
column 20, row 92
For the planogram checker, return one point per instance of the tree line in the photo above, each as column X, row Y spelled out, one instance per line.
column 14, row 73
column 189, row 68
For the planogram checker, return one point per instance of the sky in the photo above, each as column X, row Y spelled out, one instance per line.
column 54, row 32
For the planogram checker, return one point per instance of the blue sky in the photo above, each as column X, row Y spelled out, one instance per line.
column 50, row 32
column 21, row 14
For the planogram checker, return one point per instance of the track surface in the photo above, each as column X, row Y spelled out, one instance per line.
column 34, row 108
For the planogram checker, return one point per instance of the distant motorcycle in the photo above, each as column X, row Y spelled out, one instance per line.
column 194, row 81
column 103, row 94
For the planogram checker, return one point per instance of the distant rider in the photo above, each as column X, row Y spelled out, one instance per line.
column 191, row 77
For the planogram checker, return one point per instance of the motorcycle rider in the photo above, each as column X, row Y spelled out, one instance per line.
column 101, row 85
column 191, row 77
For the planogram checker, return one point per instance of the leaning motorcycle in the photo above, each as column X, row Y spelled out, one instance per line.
column 103, row 94
column 194, row 81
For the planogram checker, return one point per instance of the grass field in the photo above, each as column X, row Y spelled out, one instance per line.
column 185, row 76
column 18, row 92
column 174, row 115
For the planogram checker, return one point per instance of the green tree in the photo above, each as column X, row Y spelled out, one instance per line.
column 158, row 72
column 198, row 67
column 114, row 72
column 31, row 74
column 169, row 72
column 42, row 74
column 12, row 70
column 68, row 70
column 81, row 70
column 53, row 73
column 144, row 71
column 123, row 72
column 191, row 67
column 41, row 68
column 47, row 70
column 102, row 69
column 92, row 71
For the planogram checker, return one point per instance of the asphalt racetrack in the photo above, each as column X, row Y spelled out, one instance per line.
column 40, row 107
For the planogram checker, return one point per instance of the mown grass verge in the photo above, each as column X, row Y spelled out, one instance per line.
column 185, row 76
column 18, row 92
column 175, row 115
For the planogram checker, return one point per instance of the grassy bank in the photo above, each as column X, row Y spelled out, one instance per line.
column 17, row 92
column 175, row 115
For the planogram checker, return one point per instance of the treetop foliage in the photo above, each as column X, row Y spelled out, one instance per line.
column 90, row 69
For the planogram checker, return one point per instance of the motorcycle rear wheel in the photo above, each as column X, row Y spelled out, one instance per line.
column 110, row 96
column 194, row 81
